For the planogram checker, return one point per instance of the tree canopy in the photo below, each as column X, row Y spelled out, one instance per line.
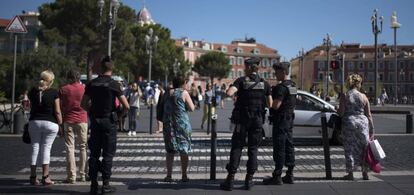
column 213, row 64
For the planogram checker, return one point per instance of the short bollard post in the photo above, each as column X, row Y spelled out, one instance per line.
column 213, row 154
column 409, row 123
column 326, row 152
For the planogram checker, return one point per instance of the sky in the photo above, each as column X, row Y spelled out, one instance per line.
column 285, row 25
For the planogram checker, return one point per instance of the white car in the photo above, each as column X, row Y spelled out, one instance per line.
column 307, row 123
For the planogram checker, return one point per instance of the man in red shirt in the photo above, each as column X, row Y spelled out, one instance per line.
column 75, row 123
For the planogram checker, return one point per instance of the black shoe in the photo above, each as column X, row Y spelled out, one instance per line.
column 288, row 179
column 228, row 183
column 274, row 180
column 248, row 182
column 106, row 188
column 94, row 188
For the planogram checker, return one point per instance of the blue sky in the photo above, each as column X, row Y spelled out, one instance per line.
column 287, row 25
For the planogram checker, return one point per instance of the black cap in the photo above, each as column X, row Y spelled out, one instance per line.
column 281, row 65
column 252, row 61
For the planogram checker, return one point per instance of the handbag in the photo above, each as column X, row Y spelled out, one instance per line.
column 26, row 136
column 372, row 163
column 377, row 150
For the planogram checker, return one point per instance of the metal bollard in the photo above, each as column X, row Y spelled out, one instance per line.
column 150, row 125
column 208, row 119
column 213, row 152
column 326, row 152
column 409, row 123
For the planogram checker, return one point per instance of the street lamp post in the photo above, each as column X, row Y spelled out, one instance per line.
column 395, row 25
column 302, row 58
column 376, row 31
column 113, row 12
column 151, row 41
column 327, row 42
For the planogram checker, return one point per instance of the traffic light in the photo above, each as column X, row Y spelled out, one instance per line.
column 334, row 64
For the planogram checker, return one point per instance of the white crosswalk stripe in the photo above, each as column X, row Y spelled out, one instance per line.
column 146, row 155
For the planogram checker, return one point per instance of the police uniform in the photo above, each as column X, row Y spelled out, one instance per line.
column 248, row 116
column 102, row 92
column 283, row 148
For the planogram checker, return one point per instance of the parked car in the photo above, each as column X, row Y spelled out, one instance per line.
column 307, row 123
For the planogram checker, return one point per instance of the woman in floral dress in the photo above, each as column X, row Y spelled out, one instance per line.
column 177, row 128
column 357, row 126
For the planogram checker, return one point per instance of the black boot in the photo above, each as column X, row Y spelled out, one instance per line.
column 106, row 188
column 276, row 179
column 94, row 188
column 228, row 183
column 288, row 178
column 248, row 182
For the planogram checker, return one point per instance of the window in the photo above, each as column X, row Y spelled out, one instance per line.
column 371, row 76
column 256, row 51
column 381, row 66
column 411, row 76
column 412, row 65
column 320, row 76
column 266, row 75
column 239, row 61
column 304, row 102
column 371, row 65
column 265, row 62
column 321, row 65
column 233, row 74
column 391, row 66
column 223, row 49
column 232, row 61
column 274, row 61
column 350, row 65
column 361, row 65
column 401, row 65
column 370, row 89
column 381, row 76
column 391, row 77
column 239, row 50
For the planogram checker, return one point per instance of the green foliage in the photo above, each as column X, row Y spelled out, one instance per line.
column 164, row 54
column 213, row 64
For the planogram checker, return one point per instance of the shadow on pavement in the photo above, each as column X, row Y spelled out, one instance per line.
column 15, row 186
column 150, row 183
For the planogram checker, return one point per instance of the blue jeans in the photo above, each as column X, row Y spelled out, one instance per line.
column 132, row 116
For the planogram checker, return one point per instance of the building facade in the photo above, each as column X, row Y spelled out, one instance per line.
column 360, row 59
column 237, row 51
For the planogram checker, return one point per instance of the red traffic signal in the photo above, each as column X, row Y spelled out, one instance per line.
column 334, row 64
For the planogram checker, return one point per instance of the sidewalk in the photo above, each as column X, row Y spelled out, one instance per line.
column 378, row 185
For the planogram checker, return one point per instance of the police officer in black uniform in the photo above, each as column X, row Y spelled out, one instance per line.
column 99, row 101
column 253, row 96
column 282, row 111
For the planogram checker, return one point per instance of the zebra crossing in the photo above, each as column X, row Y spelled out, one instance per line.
column 145, row 154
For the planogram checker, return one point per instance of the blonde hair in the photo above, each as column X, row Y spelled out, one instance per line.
column 46, row 80
column 354, row 81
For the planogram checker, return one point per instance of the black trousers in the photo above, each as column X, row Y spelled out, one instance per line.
column 102, row 141
column 283, row 148
column 252, row 130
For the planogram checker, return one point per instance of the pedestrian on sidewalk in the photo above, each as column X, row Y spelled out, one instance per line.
column 357, row 126
column 133, row 100
column 44, row 123
column 99, row 101
column 282, row 112
column 177, row 128
column 75, row 125
column 208, row 100
column 253, row 96
column 160, row 107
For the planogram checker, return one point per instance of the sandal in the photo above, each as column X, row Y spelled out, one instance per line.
column 34, row 181
column 46, row 181
column 168, row 179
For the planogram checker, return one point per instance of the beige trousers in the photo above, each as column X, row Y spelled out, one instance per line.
column 80, row 130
